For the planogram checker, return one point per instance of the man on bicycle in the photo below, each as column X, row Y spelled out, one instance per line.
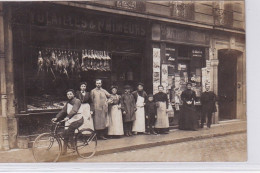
column 72, row 116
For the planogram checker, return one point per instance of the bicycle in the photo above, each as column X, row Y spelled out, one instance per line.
column 47, row 147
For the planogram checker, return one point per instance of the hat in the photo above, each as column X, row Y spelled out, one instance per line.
column 113, row 86
column 83, row 83
column 150, row 95
column 140, row 83
column 189, row 83
column 71, row 90
column 127, row 87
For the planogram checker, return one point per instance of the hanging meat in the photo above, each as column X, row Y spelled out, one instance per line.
column 65, row 63
column 83, row 60
column 77, row 64
column 40, row 63
column 71, row 62
column 59, row 64
column 48, row 65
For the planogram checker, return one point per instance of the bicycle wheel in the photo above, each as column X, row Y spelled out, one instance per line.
column 86, row 143
column 46, row 148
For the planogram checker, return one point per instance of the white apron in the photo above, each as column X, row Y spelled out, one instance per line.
column 76, row 117
column 162, row 120
column 139, row 123
column 115, row 121
column 88, row 120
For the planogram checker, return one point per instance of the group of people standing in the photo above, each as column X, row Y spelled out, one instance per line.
column 128, row 114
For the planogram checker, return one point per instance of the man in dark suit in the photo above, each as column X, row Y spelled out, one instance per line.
column 208, row 104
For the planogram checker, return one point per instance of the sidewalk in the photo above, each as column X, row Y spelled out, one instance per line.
column 139, row 141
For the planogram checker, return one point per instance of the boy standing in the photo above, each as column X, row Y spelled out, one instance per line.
column 150, row 115
column 128, row 108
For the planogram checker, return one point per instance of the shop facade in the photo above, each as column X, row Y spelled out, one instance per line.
column 50, row 47
column 57, row 47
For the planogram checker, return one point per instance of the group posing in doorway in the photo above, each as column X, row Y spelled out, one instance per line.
column 128, row 114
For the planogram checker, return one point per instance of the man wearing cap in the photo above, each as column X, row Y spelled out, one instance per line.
column 99, row 106
column 140, row 100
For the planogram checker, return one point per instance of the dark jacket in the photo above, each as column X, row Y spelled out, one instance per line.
column 142, row 94
column 161, row 97
column 83, row 98
column 188, row 95
column 208, row 102
column 63, row 113
column 129, row 106
column 150, row 109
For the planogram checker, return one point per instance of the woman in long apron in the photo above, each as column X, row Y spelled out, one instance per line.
column 115, row 127
column 140, row 98
column 84, row 97
column 162, row 121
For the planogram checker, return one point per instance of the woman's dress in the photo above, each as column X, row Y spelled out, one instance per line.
column 115, row 116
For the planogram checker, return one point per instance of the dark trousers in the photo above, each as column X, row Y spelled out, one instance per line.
column 149, row 124
column 101, row 133
column 69, row 133
column 203, row 118
column 162, row 130
column 128, row 127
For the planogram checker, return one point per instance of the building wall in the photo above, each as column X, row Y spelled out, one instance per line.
column 207, row 12
column 203, row 17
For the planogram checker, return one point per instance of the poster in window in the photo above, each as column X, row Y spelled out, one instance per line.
column 156, row 69
column 165, row 76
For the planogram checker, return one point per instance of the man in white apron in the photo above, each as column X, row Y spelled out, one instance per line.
column 140, row 98
column 71, row 113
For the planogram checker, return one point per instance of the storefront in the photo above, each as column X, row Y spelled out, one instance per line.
column 57, row 47
column 180, row 55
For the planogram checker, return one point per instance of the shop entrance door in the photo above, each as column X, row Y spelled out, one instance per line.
column 227, row 79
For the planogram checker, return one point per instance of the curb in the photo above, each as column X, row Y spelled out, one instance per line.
column 154, row 144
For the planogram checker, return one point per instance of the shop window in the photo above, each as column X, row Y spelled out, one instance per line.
column 183, row 52
column 187, row 67
column 223, row 13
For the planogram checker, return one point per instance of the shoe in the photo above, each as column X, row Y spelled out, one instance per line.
column 202, row 126
column 134, row 133
column 130, row 134
column 147, row 133
column 102, row 138
column 154, row 133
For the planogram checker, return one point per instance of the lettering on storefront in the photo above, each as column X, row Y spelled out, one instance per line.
column 170, row 54
column 184, row 35
column 197, row 53
column 92, row 23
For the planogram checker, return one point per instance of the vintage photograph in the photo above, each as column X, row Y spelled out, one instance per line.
column 123, row 81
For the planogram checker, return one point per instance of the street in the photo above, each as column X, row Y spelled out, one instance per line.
column 217, row 149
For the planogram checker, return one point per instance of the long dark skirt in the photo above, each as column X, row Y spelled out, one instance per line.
column 188, row 118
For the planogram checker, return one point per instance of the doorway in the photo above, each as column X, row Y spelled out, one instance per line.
column 227, row 85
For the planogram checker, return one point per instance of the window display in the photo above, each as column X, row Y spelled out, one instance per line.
column 184, row 65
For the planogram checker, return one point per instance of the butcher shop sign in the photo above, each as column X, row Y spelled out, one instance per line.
column 87, row 22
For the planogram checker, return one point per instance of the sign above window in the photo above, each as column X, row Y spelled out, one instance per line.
column 197, row 53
